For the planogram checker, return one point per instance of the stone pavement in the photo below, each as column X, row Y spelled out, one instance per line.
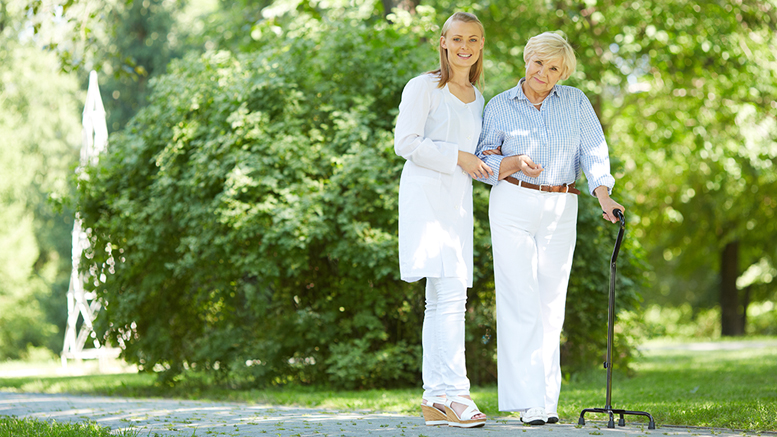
column 183, row 418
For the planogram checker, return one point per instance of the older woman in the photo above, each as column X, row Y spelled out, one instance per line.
column 547, row 133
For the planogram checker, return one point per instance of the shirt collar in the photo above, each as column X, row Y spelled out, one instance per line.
column 517, row 91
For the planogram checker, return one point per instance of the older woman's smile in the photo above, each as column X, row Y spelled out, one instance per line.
column 541, row 76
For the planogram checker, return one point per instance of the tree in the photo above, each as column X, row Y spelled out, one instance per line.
column 39, row 139
column 705, row 148
column 126, row 41
column 141, row 39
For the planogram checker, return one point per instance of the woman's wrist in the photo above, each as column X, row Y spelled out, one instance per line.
column 517, row 163
column 602, row 192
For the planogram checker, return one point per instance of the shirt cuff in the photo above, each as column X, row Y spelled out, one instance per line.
column 606, row 180
column 494, row 162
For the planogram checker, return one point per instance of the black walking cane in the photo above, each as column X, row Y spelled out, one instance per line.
column 608, row 361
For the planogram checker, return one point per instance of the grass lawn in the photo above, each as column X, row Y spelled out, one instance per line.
column 13, row 427
column 728, row 388
column 722, row 388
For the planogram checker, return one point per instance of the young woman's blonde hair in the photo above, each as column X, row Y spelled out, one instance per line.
column 550, row 45
column 476, row 71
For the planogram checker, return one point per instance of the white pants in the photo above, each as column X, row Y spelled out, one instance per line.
column 533, row 237
column 444, row 369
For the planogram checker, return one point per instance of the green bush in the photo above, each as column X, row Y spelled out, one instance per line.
column 762, row 318
column 249, row 214
column 681, row 322
column 685, row 322
column 246, row 219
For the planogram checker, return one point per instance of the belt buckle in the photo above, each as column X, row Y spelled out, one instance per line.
column 544, row 185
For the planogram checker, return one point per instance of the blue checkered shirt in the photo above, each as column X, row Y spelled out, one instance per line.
column 563, row 136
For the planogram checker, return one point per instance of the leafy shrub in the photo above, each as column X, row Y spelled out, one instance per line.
column 249, row 215
column 762, row 318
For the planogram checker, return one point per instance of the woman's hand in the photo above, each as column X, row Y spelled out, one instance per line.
column 528, row 167
column 515, row 163
column 608, row 205
column 473, row 166
column 497, row 151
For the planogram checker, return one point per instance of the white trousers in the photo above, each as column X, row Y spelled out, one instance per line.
column 444, row 368
column 533, row 238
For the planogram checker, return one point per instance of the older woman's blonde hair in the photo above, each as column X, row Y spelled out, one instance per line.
column 550, row 45
column 476, row 71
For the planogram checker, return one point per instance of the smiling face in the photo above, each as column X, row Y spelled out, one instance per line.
column 542, row 75
column 464, row 43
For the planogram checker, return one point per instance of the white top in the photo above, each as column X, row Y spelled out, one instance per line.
column 435, row 194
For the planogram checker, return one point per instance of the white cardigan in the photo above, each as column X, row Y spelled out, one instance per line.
column 435, row 194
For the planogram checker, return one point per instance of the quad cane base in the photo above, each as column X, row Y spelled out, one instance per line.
column 611, row 412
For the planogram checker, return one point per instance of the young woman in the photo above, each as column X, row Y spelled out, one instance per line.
column 437, row 132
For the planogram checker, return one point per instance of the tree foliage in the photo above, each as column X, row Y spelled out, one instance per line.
column 38, row 131
column 686, row 93
column 705, row 149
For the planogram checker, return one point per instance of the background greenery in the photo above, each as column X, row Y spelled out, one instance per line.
column 245, row 214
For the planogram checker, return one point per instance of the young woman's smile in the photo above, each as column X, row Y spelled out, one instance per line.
column 464, row 43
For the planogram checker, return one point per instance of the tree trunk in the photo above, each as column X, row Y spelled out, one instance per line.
column 2, row 17
column 745, row 304
column 731, row 319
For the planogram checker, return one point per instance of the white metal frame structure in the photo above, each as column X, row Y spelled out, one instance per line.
column 81, row 304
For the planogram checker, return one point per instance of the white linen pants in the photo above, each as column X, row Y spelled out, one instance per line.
column 533, row 237
column 444, row 368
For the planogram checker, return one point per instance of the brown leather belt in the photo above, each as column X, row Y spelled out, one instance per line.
column 566, row 188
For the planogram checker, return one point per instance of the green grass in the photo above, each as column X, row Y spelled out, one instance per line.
column 14, row 427
column 735, row 389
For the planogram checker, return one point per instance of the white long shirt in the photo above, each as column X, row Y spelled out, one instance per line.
column 435, row 194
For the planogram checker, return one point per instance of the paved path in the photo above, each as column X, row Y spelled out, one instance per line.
column 181, row 418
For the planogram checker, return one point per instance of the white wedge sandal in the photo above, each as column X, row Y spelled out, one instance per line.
column 433, row 415
column 466, row 419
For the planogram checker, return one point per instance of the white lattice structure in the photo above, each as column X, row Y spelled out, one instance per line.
column 81, row 305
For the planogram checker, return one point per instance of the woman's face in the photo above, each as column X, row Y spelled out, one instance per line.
column 464, row 43
column 542, row 74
